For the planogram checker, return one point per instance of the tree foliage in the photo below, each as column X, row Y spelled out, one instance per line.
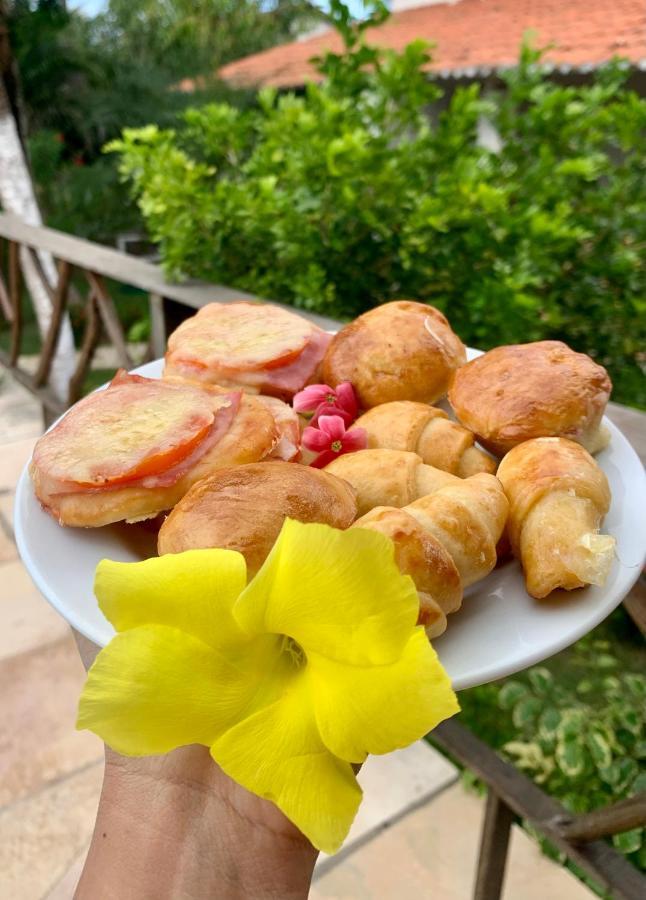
column 351, row 194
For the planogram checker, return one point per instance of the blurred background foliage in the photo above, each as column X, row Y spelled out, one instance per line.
column 373, row 184
column 83, row 79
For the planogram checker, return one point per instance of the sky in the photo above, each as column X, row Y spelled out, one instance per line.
column 92, row 7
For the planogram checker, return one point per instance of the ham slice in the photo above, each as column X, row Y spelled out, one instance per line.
column 264, row 349
column 288, row 446
column 138, row 432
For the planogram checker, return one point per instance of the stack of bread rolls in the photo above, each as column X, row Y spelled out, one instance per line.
column 216, row 444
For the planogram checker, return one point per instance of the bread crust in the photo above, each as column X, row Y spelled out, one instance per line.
column 398, row 351
column 558, row 498
column 251, row 436
column 523, row 391
column 243, row 508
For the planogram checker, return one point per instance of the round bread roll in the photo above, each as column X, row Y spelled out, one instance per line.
column 243, row 508
column 399, row 351
column 523, row 391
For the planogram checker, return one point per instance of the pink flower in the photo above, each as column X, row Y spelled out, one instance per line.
column 323, row 400
column 331, row 440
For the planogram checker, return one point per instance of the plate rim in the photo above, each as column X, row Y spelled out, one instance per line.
column 486, row 675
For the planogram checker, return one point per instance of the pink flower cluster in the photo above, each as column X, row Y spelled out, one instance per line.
column 334, row 409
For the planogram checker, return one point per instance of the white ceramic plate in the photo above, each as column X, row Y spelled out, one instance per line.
column 498, row 631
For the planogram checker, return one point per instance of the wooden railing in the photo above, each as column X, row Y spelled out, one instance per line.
column 167, row 302
column 510, row 794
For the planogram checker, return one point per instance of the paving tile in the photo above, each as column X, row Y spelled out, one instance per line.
column 394, row 784
column 20, row 411
column 8, row 550
column 41, row 836
column 27, row 621
column 7, row 498
column 13, row 457
column 432, row 852
column 38, row 741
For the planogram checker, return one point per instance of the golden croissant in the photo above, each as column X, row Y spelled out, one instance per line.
column 445, row 541
column 388, row 477
column 427, row 431
column 558, row 497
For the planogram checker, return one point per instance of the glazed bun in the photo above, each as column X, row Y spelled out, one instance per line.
column 243, row 508
column 523, row 391
column 399, row 351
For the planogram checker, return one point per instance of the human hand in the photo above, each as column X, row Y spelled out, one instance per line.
column 177, row 826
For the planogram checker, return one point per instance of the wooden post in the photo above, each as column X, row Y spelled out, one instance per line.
column 59, row 301
column 16, row 302
column 157, row 325
column 494, row 843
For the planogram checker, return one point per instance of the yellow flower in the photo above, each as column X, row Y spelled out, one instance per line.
column 289, row 679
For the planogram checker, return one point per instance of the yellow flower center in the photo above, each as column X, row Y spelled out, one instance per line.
column 294, row 651
column 336, row 446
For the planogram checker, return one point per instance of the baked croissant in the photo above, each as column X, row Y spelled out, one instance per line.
column 445, row 541
column 558, row 497
column 388, row 477
column 428, row 431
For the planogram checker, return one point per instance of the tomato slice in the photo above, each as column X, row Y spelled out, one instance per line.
column 135, row 428
column 240, row 336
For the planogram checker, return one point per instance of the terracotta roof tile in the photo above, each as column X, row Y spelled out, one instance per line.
column 474, row 34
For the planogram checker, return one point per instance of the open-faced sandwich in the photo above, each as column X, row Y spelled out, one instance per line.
column 134, row 449
column 262, row 349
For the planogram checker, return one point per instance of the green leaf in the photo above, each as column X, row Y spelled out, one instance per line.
column 526, row 711
column 541, row 680
column 628, row 841
column 599, row 749
column 619, row 774
column 570, row 758
column 549, row 721
column 510, row 693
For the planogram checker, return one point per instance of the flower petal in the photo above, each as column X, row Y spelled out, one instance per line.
column 193, row 591
column 332, row 426
column 325, row 409
column 355, row 439
column 311, row 396
column 155, row 688
column 339, row 593
column 315, row 439
column 377, row 709
column 347, row 398
column 324, row 458
column 277, row 753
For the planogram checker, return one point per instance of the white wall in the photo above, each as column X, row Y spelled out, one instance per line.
column 398, row 5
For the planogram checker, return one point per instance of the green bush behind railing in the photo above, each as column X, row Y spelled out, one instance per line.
column 372, row 185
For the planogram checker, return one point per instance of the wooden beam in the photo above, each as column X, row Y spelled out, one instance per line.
column 129, row 270
column 15, row 287
column 622, row 816
column 88, row 346
column 110, row 318
column 59, row 304
column 604, row 864
column 494, row 843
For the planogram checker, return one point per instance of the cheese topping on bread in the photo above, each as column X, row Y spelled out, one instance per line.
column 137, row 430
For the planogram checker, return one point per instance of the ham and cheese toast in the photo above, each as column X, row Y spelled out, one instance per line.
column 133, row 450
column 260, row 348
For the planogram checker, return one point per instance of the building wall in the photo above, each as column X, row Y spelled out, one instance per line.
column 398, row 5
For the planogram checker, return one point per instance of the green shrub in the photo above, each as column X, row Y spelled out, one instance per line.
column 353, row 194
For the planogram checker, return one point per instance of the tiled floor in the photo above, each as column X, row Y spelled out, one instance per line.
column 416, row 836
